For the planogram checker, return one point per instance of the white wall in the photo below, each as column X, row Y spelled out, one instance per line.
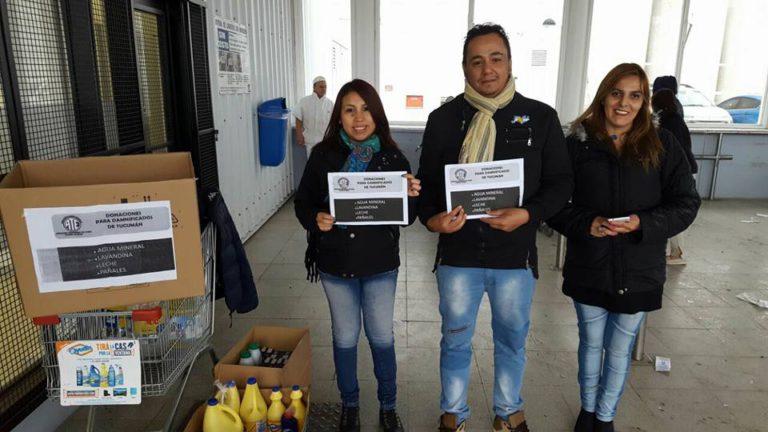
column 253, row 192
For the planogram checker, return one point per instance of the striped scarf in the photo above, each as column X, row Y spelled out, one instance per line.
column 480, row 141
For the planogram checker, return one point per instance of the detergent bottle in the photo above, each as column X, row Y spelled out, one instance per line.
column 276, row 410
column 103, row 376
column 95, row 379
column 221, row 418
column 299, row 410
column 232, row 396
column 253, row 409
column 111, row 376
column 289, row 423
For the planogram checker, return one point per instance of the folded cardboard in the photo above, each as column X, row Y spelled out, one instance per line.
column 195, row 423
column 297, row 370
column 104, row 181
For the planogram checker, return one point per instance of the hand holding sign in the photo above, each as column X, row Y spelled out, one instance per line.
column 414, row 185
column 447, row 222
column 508, row 219
column 324, row 221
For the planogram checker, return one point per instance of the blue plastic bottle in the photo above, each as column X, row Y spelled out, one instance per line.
column 119, row 376
column 79, row 373
column 95, row 376
column 289, row 423
column 111, row 376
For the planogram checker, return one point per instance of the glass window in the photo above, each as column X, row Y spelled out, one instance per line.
column 722, row 57
column 629, row 31
column 534, row 38
column 327, row 44
column 147, row 34
column 420, row 55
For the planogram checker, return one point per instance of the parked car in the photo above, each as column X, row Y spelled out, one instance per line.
column 743, row 109
column 698, row 108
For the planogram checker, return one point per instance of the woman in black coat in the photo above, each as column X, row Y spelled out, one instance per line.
column 633, row 190
column 664, row 105
column 358, row 264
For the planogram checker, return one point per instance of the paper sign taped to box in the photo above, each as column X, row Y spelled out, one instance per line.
column 77, row 248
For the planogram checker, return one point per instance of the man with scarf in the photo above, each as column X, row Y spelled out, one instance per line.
column 494, row 255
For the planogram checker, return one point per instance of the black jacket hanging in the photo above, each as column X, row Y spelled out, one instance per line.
column 234, row 276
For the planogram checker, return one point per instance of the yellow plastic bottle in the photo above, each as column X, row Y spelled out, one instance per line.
column 253, row 409
column 299, row 410
column 103, row 381
column 221, row 418
column 276, row 410
column 232, row 396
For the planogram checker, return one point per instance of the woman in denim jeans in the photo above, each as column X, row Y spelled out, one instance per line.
column 633, row 190
column 357, row 265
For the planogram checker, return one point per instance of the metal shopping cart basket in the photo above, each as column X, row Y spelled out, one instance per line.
column 172, row 334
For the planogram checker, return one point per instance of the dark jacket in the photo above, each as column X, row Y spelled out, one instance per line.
column 232, row 266
column 674, row 123
column 351, row 251
column 547, row 175
column 668, row 82
column 626, row 273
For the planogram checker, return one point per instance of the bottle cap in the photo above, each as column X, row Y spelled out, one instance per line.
column 251, row 381
column 245, row 354
column 254, row 346
column 212, row 402
column 295, row 387
column 275, row 389
column 231, row 384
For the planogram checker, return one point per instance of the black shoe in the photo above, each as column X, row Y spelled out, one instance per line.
column 585, row 422
column 389, row 421
column 601, row 426
column 350, row 419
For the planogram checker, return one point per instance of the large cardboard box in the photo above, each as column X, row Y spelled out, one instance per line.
column 148, row 184
column 297, row 370
column 195, row 423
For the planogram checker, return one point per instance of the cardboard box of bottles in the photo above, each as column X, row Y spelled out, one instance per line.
column 195, row 423
column 128, row 183
column 297, row 369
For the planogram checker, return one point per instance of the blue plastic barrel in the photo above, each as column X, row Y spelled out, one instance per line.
column 273, row 131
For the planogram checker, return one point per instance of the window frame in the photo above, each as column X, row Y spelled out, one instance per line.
column 574, row 57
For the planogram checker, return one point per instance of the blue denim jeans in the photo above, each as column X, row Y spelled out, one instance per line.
column 602, row 377
column 370, row 300
column 510, row 293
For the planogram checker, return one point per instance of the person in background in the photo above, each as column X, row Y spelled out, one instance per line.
column 665, row 106
column 496, row 255
column 624, row 167
column 312, row 115
column 357, row 265
column 668, row 82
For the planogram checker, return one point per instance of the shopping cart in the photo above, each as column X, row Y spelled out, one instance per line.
column 172, row 334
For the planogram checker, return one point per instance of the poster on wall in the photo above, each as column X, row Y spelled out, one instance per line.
column 232, row 51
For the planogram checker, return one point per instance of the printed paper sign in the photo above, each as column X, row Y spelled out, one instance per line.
column 99, row 372
column 234, row 64
column 369, row 198
column 480, row 187
column 76, row 248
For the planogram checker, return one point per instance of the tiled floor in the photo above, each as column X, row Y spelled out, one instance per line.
column 718, row 344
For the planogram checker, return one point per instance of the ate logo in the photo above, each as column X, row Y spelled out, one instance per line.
column 72, row 223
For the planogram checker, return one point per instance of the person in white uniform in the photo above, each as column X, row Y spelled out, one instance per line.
column 312, row 115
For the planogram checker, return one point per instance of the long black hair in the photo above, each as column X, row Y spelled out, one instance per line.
column 375, row 107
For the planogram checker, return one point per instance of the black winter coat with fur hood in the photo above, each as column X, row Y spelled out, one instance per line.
column 626, row 273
